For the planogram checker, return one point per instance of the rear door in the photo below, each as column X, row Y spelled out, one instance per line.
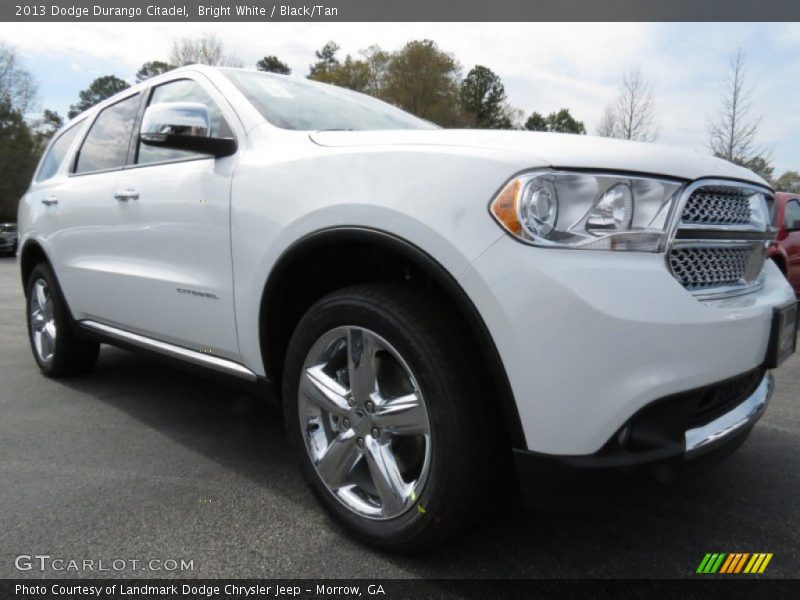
column 80, row 210
column 50, row 178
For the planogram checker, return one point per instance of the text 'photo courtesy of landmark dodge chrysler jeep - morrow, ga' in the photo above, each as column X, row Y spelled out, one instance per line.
column 427, row 303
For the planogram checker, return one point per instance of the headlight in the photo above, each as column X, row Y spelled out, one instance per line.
column 585, row 210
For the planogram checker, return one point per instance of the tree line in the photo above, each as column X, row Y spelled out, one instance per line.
column 420, row 77
column 22, row 138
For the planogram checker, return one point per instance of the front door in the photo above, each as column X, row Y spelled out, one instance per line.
column 173, row 216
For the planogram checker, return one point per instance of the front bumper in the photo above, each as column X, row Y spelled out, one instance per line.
column 590, row 338
column 667, row 446
column 705, row 437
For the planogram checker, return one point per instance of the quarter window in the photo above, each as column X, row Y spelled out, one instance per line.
column 106, row 145
column 183, row 90
column 57, row 153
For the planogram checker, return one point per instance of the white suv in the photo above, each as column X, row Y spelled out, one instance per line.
column 426, row 302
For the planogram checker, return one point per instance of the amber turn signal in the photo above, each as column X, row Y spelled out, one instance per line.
column 504, row 207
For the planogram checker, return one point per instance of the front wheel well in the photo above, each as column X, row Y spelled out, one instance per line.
column 326, row 261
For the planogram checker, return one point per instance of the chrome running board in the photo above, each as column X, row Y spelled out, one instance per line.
column 192, row 356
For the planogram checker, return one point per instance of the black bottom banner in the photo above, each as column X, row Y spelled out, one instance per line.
column 391, row 589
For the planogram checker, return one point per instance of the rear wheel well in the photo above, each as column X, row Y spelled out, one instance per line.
column 30, row 256
column 324, row 262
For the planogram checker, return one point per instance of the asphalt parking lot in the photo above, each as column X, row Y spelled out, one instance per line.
column 140, row 461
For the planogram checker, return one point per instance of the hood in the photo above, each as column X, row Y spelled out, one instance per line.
column 559, row 150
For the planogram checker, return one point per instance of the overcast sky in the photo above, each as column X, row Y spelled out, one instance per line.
column 544, row 66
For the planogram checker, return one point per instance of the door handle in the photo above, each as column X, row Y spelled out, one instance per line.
column 129, row 194
column 50, row 200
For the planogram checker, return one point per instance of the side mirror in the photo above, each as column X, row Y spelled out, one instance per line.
column 183, row 126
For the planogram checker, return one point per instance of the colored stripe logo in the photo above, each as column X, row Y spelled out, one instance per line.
column 734, row 563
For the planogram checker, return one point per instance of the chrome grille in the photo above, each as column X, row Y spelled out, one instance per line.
column 719, row 247
column 718, row 206
column 708, row 266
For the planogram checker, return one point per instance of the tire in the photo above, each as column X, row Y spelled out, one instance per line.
column 56, row 348
column 445, row 473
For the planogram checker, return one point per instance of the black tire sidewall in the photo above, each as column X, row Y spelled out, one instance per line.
column 430, row 518
column 71, row 355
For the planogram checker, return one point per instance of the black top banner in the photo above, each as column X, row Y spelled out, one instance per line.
column 402, row 10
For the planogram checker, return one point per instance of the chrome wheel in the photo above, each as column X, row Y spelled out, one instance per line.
column 364, row 422
column 42, row 320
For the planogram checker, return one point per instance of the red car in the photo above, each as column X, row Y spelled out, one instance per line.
column 785, row 250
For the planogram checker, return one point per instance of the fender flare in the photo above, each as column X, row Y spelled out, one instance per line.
column 439, row 274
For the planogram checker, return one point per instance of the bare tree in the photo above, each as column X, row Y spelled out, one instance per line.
column 732, row 134
column 608, row 124
column 17, row 87
column 632, row 115
column 206, row 49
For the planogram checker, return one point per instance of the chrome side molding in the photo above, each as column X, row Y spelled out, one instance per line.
column 748, row 412
column 192, row 356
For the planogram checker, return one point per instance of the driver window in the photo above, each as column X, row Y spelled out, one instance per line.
column 183, row 90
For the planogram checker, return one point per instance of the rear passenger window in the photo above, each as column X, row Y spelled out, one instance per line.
column 106, row 145
column 57, row 153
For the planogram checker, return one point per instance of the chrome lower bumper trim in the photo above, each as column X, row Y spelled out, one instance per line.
column 717, row 431
column 192, row 356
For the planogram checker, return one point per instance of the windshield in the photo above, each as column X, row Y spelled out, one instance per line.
column 296, row 104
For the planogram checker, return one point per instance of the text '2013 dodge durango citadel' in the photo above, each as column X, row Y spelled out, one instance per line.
column 427, row 302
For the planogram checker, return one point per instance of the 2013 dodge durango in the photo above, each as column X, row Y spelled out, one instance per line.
column 426, row 302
